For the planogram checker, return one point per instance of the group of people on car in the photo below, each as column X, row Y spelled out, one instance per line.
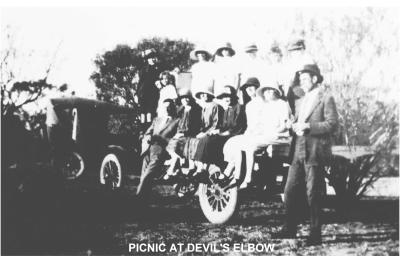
column 219, row 117
column 228, row 112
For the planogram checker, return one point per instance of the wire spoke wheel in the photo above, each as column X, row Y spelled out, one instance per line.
column 111, row 172
column 73, row 166
column 218, row 205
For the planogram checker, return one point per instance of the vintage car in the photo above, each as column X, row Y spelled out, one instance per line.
column 100, row 139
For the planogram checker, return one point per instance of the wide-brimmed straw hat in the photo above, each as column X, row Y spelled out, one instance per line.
column 270, row 85
column 225, row 46
column 195, row 52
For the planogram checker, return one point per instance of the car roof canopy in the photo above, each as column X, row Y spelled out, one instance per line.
column 90, row 104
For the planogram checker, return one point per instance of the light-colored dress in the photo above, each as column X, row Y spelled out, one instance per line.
column 226, row 73
column 263, row 121
column 202, row 76
column 167, row 92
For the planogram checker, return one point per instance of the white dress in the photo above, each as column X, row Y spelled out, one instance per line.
column 167, row 92
column 226, row 73
column 263, row 120
column 202, row 76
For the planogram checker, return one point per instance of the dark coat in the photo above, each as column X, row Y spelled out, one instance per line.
column 147, row 91
column 316, row 145
column 189, row 120
column 234, row 120
column 209, row 149
column 161, row 132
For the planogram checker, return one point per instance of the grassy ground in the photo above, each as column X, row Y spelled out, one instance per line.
column 72, row 220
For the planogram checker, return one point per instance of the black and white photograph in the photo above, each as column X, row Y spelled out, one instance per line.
column 205, row 129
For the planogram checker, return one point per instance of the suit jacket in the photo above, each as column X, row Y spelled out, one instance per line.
column 316, row 145
column 161, row 132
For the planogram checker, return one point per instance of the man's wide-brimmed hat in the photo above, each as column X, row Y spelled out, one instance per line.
column 251, row 81
column 206, row 90
column 149, row 53
column 251, row 48
column 313, row 69
column 297, row 44
column 225, row 46
column 227, row 91
column 194, row 53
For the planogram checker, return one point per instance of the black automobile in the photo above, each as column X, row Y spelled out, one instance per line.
column 97, row 139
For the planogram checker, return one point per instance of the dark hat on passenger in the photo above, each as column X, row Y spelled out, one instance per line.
column 313, row 69
column 252, row 81
column 227, row 91
column 225, row 46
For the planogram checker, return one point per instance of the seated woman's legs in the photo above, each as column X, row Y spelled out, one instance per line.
column 233, row 155
column 174, row 162
column 250, row 150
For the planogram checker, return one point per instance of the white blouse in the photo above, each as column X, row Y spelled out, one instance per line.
column 264, row 119
column 202, row 76
column 226, row 73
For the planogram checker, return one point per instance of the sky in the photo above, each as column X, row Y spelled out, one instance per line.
column 76, row 35
column 71, row 37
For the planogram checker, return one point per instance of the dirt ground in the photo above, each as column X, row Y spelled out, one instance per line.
column 74, row 220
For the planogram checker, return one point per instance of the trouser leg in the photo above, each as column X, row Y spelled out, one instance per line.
column 292, row 194
column 151, row 167
column 314, row 181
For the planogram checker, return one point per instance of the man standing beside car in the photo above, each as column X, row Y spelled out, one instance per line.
column 315, row 120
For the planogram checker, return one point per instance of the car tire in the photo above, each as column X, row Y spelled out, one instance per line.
column 111, row 172
column 74, row 166
column 218, row 205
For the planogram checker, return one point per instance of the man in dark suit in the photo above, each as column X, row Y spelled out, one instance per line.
column 154, row 142
column 315, row 120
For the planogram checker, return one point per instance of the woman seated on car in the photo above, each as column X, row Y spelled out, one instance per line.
column 189, row 125
column 267, row 116
column 210, row 123
column 233, row 122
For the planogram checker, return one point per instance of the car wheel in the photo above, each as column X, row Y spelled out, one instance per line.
column 218, row 205
column 73, row 166
column 111, row 172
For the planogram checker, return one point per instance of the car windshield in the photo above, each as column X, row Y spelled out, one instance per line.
column 122, row 124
